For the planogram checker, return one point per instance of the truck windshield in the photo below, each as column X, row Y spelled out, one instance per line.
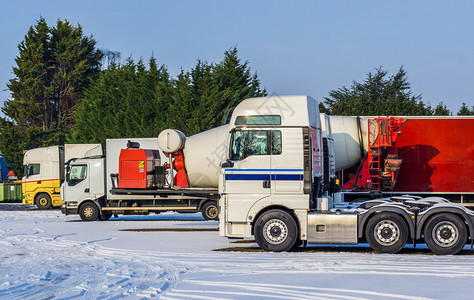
column 255, row 142
column 77, row 173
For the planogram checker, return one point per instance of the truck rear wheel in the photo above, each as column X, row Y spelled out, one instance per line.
column 89, row 211
column 445, row 234
column 210, row 211
column 43, row 201
column 387, row 232
column 276, row 230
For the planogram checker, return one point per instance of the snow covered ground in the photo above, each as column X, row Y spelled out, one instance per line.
column 46, row 255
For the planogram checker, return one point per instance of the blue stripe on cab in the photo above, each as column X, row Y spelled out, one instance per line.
column 281, row 177
column 247, row 176
column 287, row 176
column 266, row 170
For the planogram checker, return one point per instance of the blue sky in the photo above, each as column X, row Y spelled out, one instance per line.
column 298, row 47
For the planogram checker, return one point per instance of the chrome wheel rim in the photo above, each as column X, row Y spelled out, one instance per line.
column 387, row 233
column 445, row 234
column 275, row 231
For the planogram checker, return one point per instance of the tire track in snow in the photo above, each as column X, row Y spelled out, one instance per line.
column 287, row 291
column 73, row 270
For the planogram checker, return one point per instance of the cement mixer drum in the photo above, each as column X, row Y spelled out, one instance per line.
column 171, row 140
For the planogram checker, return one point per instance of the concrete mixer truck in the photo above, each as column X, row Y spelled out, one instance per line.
column 271, row 171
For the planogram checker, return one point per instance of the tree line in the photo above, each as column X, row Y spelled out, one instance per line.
column 383, row 95
column 66, row 90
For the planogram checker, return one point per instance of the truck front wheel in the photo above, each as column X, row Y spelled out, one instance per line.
column 445, row 234
column 276, row 230
column 43, row 201
column 210, row 211
column 89, row 211
column 387, row 232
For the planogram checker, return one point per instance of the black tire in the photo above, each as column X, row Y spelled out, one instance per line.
column 89, row 211
column 387, row 232
column 297, row 244
column 105, row 216
column 43, row 201
column 276, row 230
column 210, row 211
column 445, row 234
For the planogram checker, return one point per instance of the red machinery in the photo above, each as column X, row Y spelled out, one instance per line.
column 179, row 179
column 380, row 167
column 137, row 167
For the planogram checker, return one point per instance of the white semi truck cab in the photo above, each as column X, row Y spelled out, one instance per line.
column 271, row 187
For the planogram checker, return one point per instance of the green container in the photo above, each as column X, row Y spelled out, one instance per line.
column 2, row 193
column 10, row 192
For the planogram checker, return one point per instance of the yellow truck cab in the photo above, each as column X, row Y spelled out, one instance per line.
column 43, row 174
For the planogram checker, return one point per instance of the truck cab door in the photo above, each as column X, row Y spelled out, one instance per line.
column 32, row 176
column 247, row 175
column 77, row 184
column 287, row 161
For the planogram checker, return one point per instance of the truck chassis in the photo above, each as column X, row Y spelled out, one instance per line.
column 142, row 202
column 386, row 224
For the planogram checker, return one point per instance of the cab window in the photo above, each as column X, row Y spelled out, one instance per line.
column 32, row 169
column 255, row 142
column 77, row 173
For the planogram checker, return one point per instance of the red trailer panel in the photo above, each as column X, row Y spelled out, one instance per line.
column 437, row 154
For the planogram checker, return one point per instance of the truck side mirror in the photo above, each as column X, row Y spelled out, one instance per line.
column 67, row 174
column 227, row 164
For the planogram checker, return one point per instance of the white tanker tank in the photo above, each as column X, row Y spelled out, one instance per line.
column 203, row 153
column 350, row 139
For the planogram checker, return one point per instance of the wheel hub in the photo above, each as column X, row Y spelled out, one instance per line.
column 88, row 212
column 445, row 234
column 387, row 232
column 212, row 212
column 275, row 231
column 43, row 201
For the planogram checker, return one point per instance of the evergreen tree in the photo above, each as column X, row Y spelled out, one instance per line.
column 234, row 83
column 126, row 100
column 465, row 111
column 377, row 95
column 441, row 110
column 54, row 67
column 211, row 91
column 131, row 100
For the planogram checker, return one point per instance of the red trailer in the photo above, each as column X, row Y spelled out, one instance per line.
column 435, row 155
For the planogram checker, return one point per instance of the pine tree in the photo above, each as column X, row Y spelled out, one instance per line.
column 442, row 110
column 465, row 111
column 134, row 100
column 127, row 100
column 54, row 67
column 377, row 95
column 234, row 82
